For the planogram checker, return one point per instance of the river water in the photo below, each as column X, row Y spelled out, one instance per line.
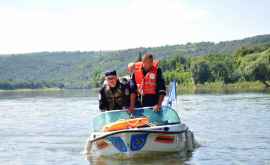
column 52, row 128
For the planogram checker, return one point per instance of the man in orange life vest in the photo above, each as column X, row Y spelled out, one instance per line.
column 147, row 84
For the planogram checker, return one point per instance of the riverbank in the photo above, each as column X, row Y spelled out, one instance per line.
column 216, row 87
column 219, row 87
column 32, row 90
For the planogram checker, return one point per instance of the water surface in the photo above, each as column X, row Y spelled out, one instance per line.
column 52, row 128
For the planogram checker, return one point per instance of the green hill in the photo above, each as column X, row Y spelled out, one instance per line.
column 83, row 69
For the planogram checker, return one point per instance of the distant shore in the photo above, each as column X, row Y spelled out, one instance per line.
column 219, row 87
column 32, row 90
column 213, row 87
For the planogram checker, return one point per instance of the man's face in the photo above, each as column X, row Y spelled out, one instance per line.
column 147, row 64
column 131, row 69
column 112, row 81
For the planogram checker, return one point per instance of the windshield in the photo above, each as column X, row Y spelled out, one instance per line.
column 166, row 116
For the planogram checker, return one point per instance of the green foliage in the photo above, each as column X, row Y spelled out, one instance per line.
column 220, row 72
column 139, row 57
column 247, row 64
column 201, row 72
column 256, row 66
column 190, row 63
column 11, row 84
column 183, row 78
column 177, row 63
column 97, row 78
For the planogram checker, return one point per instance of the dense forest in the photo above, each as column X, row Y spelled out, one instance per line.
column 251, row 63
column 193, row 63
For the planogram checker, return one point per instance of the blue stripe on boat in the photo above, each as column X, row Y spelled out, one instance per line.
column 138, row 141
column 118, row 143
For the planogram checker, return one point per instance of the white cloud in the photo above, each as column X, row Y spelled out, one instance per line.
column 141, row 23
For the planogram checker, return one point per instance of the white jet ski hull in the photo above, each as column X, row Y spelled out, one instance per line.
column 140, row 142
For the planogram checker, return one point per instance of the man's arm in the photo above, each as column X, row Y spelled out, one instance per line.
column 103, row 104
column 160, row 100
column 161, row 89
column 133, row 95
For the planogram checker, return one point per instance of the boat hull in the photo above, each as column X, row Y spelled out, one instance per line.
column 136, row 143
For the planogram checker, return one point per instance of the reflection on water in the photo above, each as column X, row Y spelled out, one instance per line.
column 52, row 128
column 172, row 159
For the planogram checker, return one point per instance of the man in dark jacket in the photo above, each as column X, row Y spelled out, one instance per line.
column 114, row 95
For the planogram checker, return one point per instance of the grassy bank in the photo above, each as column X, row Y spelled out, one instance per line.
column 219, row 87
column 214, row 87
column 32, row 90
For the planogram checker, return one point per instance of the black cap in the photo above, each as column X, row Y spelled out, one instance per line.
column 110, row 73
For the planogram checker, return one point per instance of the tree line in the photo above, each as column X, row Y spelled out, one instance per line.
column 191, row 63
column 15, row 84
column 250, row 63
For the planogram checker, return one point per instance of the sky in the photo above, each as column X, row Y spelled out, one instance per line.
column 86, row 25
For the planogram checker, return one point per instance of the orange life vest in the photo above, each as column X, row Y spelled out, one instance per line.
column 126, row 124
column 146, row 84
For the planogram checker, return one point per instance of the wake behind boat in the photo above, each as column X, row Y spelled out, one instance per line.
column 115, row 134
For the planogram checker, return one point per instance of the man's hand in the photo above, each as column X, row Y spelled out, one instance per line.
column 156, row 108
column 131, row 109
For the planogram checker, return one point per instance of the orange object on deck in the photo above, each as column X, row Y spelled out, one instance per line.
column 126, row 124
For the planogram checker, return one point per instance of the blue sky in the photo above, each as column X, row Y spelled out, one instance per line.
column 57, row 25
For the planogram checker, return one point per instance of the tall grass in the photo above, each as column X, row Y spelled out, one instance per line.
column 220, row 87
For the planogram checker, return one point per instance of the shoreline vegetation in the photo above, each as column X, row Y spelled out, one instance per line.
column 32, row 90
column 246, row 70
column 212, row 87
column 242, row 65
column 220, row 87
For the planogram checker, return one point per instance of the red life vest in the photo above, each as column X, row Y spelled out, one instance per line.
column 146, row 84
